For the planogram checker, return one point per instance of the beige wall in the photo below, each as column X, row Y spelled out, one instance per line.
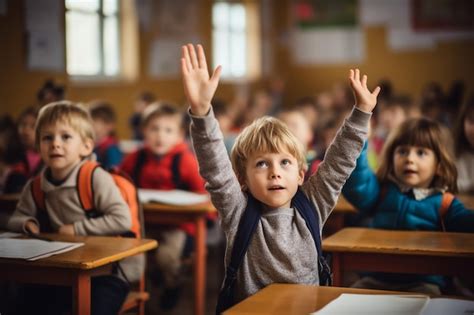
column 408, row 71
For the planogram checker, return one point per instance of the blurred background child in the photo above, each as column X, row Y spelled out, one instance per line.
column 166, row 162
column 26, row 130
column 106, row 147
column 464, row 147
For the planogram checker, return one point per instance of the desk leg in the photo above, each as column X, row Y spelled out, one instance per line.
column 337, row 270
column 200, row 266
column 81, row 295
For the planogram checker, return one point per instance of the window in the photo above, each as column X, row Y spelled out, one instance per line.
column 235, row 40
column 93, row 38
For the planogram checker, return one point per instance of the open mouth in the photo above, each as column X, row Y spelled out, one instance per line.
column 409, row 172
column 54, row 156
column 276, row 187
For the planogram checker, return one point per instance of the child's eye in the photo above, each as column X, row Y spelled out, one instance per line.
column 421, row 152
column 46, row 138
column 285, row 162
column 66, row 137
column 402, row 151
column 261, row 164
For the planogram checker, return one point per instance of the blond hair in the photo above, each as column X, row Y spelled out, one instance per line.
column 72, row 114
column 266, row 134
column 425, row 133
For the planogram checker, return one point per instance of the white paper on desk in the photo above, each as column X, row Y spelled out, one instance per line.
column 368, row 304
column 172, row 197
column 9, row 234
column 31, row 249
column 442, row 306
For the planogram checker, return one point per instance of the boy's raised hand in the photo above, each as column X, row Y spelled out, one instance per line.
column 198, row 87
column 365, row 100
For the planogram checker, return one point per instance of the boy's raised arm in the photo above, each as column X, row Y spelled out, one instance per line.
column 198, row 86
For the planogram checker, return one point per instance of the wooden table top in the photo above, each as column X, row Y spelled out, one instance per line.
column 96, row 251
column 293, row 299
column 196, row 208
column 401, row 242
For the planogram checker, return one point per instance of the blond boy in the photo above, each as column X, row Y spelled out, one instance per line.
column 267, row 163
column 65, row 139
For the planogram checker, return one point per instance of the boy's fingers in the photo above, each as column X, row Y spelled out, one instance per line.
column 364, row 81
column 192, row 54
column 216, row 74
column 184, row 67
column 357, row 75
column 351, row 74
column 201, row 57
column 187, row 58
column 376, row 91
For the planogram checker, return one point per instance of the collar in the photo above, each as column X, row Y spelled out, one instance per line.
column 418, row 193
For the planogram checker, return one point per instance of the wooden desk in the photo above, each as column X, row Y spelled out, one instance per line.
column 75, row 268
column 293, row 299
column 156, row 213
column 418, row 252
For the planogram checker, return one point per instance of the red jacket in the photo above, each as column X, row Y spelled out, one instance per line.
column 156, row 172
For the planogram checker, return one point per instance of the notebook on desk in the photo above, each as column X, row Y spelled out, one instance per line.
column 32, row 249
column 171, row 197
column 369, row 304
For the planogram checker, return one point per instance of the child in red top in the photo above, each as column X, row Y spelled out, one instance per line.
column 166, row 163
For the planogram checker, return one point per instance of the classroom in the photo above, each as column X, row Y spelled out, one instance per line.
column 236, row 156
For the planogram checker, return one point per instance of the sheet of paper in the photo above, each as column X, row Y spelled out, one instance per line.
column 9, row 235
column 369, row 304
column 172, row 197
column 442, row 306
column 32, row 249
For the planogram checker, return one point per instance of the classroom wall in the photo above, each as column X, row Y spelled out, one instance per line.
column 409, row 71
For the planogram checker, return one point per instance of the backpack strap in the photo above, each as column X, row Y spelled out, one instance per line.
column 175, row 170
column 247, row 225
column 85, row 189
column 39, row 199
column 306, row 209
column 137, row 169
column 446, row 202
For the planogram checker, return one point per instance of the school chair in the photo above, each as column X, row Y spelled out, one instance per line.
column 138, row 296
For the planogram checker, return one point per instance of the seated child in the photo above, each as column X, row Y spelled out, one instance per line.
column 464, row 147
column 166, row 162
column 26, row 128
column 299, row 126
column 65, row 138
column 106, row 146
column 267, row 171
column 142, row 101
column 13, row 166
column 416, row 176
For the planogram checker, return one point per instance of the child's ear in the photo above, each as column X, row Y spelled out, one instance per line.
column 301, row 177
column 87, row 147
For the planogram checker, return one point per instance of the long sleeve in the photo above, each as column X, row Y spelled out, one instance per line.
column 325, row 185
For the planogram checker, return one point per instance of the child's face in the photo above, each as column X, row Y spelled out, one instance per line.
column 415, row 166
column 299, row 126
column 392, row 117
column 469, row 129
column 162, row 133
column 62, row 148
column 26, row 129
column 273, row 178
column 102, row 129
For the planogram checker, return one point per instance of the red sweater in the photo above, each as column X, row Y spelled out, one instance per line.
column 156, row 172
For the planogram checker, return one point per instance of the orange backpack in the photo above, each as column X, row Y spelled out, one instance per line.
column 86, row 195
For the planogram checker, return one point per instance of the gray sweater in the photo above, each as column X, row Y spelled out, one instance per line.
column 282, row 248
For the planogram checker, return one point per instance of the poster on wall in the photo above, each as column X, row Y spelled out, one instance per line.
column 429, row 15
column 326, row 32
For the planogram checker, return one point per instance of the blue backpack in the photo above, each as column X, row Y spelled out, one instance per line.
column 247, row 226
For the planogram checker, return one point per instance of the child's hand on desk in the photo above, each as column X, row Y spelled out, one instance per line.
column 198, row 87
column 31, row 227
column 67, row 229
column 365, row 100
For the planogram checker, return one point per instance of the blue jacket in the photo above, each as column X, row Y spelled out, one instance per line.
column 401, row 211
